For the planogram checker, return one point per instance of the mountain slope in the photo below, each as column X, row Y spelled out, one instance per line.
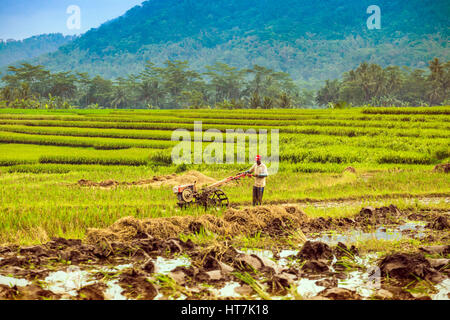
column 312, row 40
column 32, row 47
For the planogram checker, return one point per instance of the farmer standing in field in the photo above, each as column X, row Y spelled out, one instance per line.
column 259, row 171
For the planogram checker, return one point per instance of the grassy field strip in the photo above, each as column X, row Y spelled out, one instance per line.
column 98, row 143
column 392, row 143
column 338, row 152
column 324, row 116
column 217, row 117
column 90, row 132
column 352, row 132
column 297, row 140
column 411, row 113
column 376, row 124
column 61, row 168
column 155, row 134
column 268, row 123
column 325, row 154
column 440, row 110
column 401, row 114
column 409, row 110
column 351, row 154
column 156, row 119
column 14, row 154
column 313, row 187
column 46, row 207
column 106, row 133
column 332, row 130
column 35, row 167
column 78, row 112
column 122, row 125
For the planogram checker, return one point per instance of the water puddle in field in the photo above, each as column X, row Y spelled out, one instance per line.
column 361, row 283
column 283, row 255
column 362, row 279
column 165, row 266
column 287, row 253
column 307, row 288
column 360, row 275
column 443, row 290
column 69, row 281
column 381, row 233
column 114, row 291
column 161, row 296
column 11, row 281
column 228, row 291
column 258, row 252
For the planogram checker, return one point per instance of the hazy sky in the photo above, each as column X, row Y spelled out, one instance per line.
column 21, row 19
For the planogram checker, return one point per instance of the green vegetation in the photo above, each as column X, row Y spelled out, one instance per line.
column 222, row 87
column 392, row 86
column 171, row 86
column 311, row 40
column 29, row 48
column 44, row 153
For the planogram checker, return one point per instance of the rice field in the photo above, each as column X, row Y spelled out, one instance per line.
column 44, row 153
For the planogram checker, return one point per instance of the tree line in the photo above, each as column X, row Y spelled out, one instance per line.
column 173, row 85
column 370, row 84
column 176, row 85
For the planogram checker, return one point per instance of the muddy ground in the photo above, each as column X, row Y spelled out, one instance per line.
column 299, row 258
column 189, row 177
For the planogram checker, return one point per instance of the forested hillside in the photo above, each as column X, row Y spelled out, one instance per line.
column 310, row 40
column 16, row 50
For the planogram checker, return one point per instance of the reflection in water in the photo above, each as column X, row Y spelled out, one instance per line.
column 381, row 233
column 11, row 281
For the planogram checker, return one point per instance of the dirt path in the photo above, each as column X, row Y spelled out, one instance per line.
column 353, row 201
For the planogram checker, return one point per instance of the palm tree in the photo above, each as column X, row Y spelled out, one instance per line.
column 436, row 69
column 119, row 97
column 151, row 92
column 255, row 101
column 285, row 100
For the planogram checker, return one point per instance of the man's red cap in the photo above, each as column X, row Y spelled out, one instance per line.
column 258, row 157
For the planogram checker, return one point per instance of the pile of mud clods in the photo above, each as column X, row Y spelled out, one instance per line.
column 145, row 259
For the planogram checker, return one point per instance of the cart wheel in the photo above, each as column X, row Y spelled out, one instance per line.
column 187, row 195
column 218, row 199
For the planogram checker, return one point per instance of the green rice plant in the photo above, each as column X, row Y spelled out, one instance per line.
column 168, row 283
column 331, row 154
column 89, row 132
column 98, row 143
column 106, row 133
column 12, row 162
column 405, row 157
column 351, row 131
column 308, row 167
column 369, row 124
column 38, row 169
column 253, row 283
column 410, row 110
column 122, row 125
column 441, row 153
column 93, row 160
column 162, row 157
column 344, row 130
